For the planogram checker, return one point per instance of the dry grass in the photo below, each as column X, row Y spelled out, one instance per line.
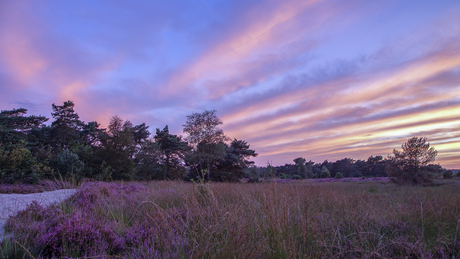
column 300, row 219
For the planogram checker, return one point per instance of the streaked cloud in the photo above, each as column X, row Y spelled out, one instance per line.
column 322, row 79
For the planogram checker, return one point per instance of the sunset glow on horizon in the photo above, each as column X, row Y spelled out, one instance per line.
column 319, row 79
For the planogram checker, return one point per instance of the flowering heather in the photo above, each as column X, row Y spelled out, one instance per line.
column 298, row 219
column 353, row 179
column 80, row 235
column 42, row 186
column 278, row 180
column 92, row 193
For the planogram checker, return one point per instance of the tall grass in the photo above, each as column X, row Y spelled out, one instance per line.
column 300, row 219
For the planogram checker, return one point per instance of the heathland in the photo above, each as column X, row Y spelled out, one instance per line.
column 215, row 203
column 342, row 218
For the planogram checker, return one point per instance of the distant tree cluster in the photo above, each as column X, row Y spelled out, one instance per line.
column 411, row 165
column 374, row 166
column 72, row 149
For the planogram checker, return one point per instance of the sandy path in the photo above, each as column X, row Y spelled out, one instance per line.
column 12, row 203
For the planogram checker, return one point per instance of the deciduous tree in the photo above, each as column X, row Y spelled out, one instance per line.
column 204, row 127
column 207, row 139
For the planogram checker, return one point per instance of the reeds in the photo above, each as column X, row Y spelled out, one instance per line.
column 298, row 219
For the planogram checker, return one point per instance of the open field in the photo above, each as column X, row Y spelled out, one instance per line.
column 298, row 219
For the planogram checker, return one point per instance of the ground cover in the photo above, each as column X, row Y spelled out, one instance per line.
column 10, row 204
column 296, row 219
column 41, row 186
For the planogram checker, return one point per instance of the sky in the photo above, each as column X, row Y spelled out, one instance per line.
column 315, row 79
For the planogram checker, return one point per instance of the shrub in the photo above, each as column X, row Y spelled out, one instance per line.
column 338, row 175
column 295, row 177
column 325, row 172
column 17, row 162
column 447, row 174
column 254, row 179
column 34, row 178
column 70, row 165
column 81, row 235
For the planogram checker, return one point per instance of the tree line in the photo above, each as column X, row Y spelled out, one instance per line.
column 69, row 148
column 410, row 165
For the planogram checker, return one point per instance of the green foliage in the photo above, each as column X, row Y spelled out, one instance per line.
column 204, row 127
column 301, row 167
column 90, row 133
column 172, row 149
column 235, row 161
column 309, row 169
column 104, row 173
column 223, row 162
column 339, row 175
column 296, row 177
column 148, row 162
column 120, row 144
column 207, row 139
column 447, row 174
column 325, row 172
column 253, row 173
column 270, row 172
column 70, row 166
column 15, row 126
column 17, row 163
column 67, row 125
column 346, row 166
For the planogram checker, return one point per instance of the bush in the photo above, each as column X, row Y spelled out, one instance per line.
column 17, row 162
column 70, row 165
column 254, row 179
column 295, row 177
column 32, row 179
column 338, row 175
column 447, row 174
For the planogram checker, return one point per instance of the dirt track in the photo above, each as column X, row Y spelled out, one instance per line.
column 12, row 203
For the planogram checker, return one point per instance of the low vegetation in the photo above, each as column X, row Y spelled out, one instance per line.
column 41, row 186
column 277, row 219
